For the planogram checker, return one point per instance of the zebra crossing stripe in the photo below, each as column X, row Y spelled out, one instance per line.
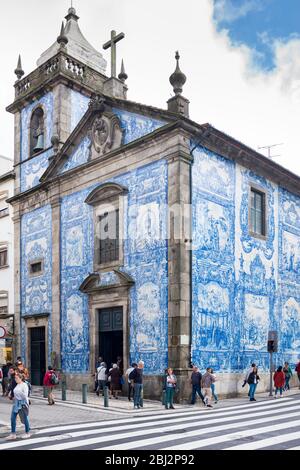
column 233, row 436
column 294, row 448
column 154, row 430
column 174, row 418
column 195, row 433
column 271, row 441
column 187, row 413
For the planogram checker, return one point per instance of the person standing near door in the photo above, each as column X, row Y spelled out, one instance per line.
column 137, row 376
column 130, row 385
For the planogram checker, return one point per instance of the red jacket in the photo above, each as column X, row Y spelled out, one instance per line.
column 279, row 379
column 47, row 379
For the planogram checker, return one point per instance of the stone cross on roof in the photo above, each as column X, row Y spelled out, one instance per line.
column 112, row 43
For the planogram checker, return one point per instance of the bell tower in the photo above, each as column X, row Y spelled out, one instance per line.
column 50, row 101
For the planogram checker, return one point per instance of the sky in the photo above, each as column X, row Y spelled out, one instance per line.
column 241, row 59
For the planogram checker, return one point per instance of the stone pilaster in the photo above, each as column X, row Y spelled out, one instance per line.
column 17, row 152
column 62, row 112
column 17, row 282
column 55, row 315
column 179, row 264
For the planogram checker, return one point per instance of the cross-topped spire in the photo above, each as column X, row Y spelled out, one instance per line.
column 112, row 43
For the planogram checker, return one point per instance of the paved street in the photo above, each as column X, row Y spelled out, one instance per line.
column 239, row 425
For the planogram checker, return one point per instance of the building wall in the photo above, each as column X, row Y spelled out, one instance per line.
column 145, row 260
column 242, row 286
column 7, row 273
column 36, row 291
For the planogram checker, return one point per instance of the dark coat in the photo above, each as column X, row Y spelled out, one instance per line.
column 115, row 375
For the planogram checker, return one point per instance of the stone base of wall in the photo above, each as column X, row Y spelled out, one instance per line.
column 227, row 385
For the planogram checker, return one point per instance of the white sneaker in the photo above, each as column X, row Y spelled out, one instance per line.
column 27, row 435
column 11, row 437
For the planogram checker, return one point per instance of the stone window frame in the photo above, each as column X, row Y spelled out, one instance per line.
column 4, row 212
column 259, row 189
column 3, row 248
column 32, row 155
column 105, row 198
column 35, row 261
column 4, row 294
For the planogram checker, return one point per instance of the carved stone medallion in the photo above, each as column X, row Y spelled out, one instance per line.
column 106, row 133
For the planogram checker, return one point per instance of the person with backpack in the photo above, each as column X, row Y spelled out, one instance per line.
column 130, row 384
column 288, row 375
column 279, row 381
column 137, row 376
column 297, row 369
column 253, row 379
column 50, row 381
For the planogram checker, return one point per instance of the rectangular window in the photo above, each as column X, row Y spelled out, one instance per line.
column 3, row 257
column 36, row 268
column 257, row 212
column 109, row 236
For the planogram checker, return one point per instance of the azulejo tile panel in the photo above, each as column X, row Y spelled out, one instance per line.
column 32, row 170
column 145, row 262
column 79, row 156
column 46, row 102
column 36, row 244
column 136, row 125
column 79, row 106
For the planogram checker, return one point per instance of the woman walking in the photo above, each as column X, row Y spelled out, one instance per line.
column 253, row 380
column 20, row 406
column 213, row 387
column 171, row 381
column 115, row 375
column 288, row 375
column 279, row 381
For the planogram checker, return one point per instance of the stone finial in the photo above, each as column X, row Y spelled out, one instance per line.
column 177, row 79
column 122, row 75
column 19, row 71
column 72, row 14
column 62, row 38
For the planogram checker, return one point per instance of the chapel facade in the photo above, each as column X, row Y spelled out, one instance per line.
column 142, row 234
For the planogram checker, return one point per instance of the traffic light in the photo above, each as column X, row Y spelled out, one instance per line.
column 271, row 346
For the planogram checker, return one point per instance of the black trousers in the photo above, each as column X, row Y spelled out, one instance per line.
column 130, row 391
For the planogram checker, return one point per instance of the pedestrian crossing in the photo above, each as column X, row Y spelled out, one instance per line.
column 260, row 425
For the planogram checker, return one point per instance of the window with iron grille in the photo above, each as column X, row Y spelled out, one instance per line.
column 3, row 257
column 257, row 212
column 109, row 236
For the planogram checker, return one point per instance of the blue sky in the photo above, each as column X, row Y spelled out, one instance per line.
column 257, row 23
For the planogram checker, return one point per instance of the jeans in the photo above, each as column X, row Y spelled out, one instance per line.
column 169, row 396
column 137, row 394
column 101, row 385
column 280, row 389
column 252, row 390
column 213, row 392
column 196, row 389
column 13, row 421
column 287, row 380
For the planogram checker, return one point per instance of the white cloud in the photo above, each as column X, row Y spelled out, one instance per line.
column 223, row 86
column 227, row 11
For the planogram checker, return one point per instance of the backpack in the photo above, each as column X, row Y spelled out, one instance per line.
column 54, row 379
column 132, row 375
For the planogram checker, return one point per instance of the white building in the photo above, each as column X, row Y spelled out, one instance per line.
column 6, row 260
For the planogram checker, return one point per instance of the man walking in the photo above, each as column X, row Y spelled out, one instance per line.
column 206, row 382
column 137, row 376
column 127, row 373
column 196, row 385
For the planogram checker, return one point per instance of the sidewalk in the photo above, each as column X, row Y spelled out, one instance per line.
column 123, row 406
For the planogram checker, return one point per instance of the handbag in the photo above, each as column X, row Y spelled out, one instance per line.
column 23, row 413
column 122, row 381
